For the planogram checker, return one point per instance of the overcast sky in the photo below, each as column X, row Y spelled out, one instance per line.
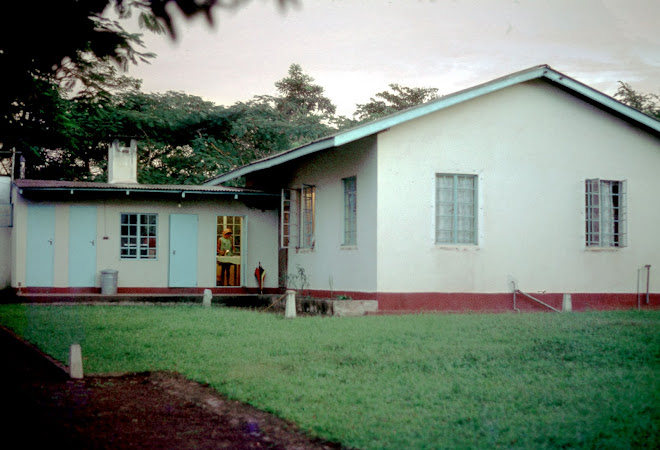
column 355, row 48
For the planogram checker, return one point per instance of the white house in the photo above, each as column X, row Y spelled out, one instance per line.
column 158, row 238
column 5, row 231
column 533, row 181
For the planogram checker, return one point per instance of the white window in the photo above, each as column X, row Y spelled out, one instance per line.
column 350, row 211
column 605, row 213
column 308, row 205
column 138, row 236
column 456, row 209
column 297, row 219
column 289, row 218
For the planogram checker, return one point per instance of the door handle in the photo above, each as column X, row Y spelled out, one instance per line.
column 174, row 252
column 92, row 242
column 50, row 241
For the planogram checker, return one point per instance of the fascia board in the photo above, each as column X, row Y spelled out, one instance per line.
column 385, row 123
column 138, row 191
column 605, row 100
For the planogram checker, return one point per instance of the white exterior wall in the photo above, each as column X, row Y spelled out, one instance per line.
column 5, row 257
column 5, row 232
column 330, row 265
column 261, row 240
column 532, row 147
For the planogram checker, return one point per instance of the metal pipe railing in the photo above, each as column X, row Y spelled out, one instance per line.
column 535, row 299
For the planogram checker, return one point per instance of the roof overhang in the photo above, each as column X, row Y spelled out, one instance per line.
column 543, row 72
column 72, row 187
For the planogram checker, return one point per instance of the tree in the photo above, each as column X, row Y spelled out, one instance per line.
column 299, row 96
column 65, row 138
column 305, row 113
column 47, row 45
column 398, row 99
column 647, row 103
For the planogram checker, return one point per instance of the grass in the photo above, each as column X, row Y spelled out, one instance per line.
column 429, row 381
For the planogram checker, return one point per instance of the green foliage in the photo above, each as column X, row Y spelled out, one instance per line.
column 299, row 96
column 647, row 103
column 49, row 43
column 586, row 380
column 68, row 50
column 398, row 99
column 182, row 139
column 298, row 280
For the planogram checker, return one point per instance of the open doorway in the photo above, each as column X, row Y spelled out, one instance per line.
column 228, row 256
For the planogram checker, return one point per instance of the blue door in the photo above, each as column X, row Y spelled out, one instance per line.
column 183, row 250
column 82, row 246
column 39, row 257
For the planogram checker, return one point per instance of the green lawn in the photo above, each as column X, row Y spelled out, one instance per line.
column 427, row 381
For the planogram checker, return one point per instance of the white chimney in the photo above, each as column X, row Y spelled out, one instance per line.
column 122, row 163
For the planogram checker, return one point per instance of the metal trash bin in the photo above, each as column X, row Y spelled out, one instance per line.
column 109, row 281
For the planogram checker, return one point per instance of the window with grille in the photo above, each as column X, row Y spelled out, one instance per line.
column 138, row 236
column 605, row 213
column 308, row 201
column 456, row 209
column 350, row 211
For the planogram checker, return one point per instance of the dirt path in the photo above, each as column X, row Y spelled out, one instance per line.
column 43, row 407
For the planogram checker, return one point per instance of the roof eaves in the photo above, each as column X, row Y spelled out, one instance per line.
column 28, row 186
column 382, row 124
column 377, row 126
column 274, row 160
column 605, row 100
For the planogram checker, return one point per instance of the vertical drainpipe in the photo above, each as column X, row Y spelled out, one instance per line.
column 648, row 277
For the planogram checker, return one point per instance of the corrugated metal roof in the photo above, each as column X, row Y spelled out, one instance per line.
column 55, row 185
column 542, row 72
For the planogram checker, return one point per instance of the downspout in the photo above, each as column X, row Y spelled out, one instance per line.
column 638, row 303
column 648, row 284
column 648, row 276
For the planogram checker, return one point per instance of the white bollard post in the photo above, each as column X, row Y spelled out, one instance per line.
column 75, row 361
column 567, row 304
column 206, row 300
column 290, row 311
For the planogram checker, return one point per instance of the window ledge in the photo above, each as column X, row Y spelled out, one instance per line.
column 603, row 249
column 348, row 247
column 457, row 247
column 304, row 249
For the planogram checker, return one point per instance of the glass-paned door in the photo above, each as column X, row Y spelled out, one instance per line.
column 229, row 231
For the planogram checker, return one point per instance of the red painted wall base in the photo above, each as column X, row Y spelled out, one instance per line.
column 406, row 301
column 501, row 302
column 491, row 302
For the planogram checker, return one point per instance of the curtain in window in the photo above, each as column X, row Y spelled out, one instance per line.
column 606, row 214
column 465, row 206
column 455, row 209
column 593, row 212
column 445, row 208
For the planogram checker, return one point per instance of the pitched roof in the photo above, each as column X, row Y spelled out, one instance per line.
column 543, row 72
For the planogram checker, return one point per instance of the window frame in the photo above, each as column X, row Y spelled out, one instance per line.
column 142, row 252
column 456, row 230
column 350, row 211
column 598, row 205
column 307, row 216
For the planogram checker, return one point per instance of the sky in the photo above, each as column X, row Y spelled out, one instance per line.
column 356, row 48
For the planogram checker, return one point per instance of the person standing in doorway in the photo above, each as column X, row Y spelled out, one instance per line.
column 225, row 248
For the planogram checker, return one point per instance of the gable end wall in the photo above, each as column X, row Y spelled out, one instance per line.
column 532, row 146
